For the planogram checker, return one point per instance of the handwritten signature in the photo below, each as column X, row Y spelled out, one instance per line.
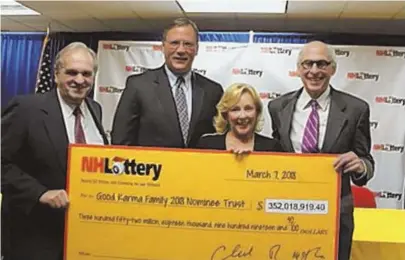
column 310, row 254
column 314, row 253
column 221, row 253
column 273, row 252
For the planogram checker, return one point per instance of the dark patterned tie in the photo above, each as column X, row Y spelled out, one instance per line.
column 181, row 104
column 311, row 131
column 79, row 133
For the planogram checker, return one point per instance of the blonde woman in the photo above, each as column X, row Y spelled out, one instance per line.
column 238, row 119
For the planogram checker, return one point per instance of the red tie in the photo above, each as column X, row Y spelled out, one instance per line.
column 79, row 133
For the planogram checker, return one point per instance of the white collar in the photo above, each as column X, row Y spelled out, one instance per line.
column 323, row 100
column 173, row 77
column 69, row 108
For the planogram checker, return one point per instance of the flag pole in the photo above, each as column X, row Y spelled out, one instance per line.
column 45, row 42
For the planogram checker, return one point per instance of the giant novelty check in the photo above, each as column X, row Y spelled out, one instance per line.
column 148, row 204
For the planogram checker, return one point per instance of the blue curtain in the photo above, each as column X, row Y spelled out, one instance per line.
column 20, row 54
column 281, row 38
column 224, row 37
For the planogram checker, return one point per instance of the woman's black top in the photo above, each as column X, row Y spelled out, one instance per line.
column 217, row 142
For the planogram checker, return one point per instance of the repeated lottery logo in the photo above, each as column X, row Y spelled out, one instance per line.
column 116, row 47
column 388, row 195
column 373, row 124
column 200, row 71
column 223, row 48
column 135, row 69
column 340, row 52
column 388, row 148
column 269, row 95
column 390, row 53
column 276, row 50
column 362, row 76
column 390, row 100
column 247, row 72
column 156, row 47
column 293, row 74
column 216, row 48
column 110, row 89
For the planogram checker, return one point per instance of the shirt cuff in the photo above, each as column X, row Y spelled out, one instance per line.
column 358, row 176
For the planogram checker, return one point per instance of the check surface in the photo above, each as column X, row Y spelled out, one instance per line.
column 189, row 205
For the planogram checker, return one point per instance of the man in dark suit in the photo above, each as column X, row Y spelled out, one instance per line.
column 36, row 132
column 170, row 106
column 319, row 118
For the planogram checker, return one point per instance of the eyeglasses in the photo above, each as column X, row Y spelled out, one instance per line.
column 74, row 73
column 186, row 44
column 320, row 64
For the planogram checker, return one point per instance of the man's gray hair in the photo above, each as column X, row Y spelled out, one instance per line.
column 74, row 46
column 330, row 52
column 180, row 22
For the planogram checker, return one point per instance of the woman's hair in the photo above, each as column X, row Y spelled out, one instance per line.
column 229, row 99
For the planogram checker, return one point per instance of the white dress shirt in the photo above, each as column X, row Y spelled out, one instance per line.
column 91, row 132
column 301, row 115
column 187, row 87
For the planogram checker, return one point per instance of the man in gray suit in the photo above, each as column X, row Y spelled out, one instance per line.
column 320, row 119
column 170, row 106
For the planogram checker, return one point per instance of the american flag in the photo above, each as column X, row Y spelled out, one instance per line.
column 44, row 76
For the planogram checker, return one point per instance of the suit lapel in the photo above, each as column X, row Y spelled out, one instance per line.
column 97, row 119
column 286, row 115
column 164, row 94
column 336, row 121
column 55, row 127
column 197, row 103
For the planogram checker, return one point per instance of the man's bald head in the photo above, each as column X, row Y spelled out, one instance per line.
column 320, row 46
column 316, row 65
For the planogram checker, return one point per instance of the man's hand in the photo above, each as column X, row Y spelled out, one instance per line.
column 349, row 162
column 241, row 151
column 55, row 198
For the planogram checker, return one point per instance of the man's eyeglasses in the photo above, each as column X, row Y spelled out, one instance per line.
column 186, row 44
column 320, row 64
column 74, row 73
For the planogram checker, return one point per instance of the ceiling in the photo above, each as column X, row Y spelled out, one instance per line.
column 379, row 17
